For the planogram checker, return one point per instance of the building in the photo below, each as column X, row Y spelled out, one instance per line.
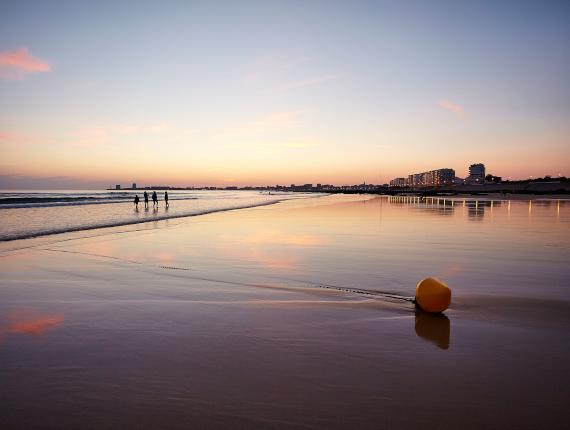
column 443, row 176
column 398, row 182
column 458, row 181
column 432, row 178
column 117, row 187
column 415, row 180
column 476, row 174
column 134, row 186
column 428, row 178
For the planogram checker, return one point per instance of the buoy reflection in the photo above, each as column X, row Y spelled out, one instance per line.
column 434, row 328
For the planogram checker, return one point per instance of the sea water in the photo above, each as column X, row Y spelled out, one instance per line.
column 270, row 317
column 33, row 213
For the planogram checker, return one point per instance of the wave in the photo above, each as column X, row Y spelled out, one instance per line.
column 34, row 202
column 11, row 200
column 48, row 232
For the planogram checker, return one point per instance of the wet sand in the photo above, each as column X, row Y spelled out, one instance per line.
column 243, row 320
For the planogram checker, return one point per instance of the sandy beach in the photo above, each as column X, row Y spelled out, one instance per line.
column 292, row 315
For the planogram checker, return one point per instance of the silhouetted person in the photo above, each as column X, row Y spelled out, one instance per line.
column 136, row 201
column 166, row 198
column 154, row 199
column 145, row 199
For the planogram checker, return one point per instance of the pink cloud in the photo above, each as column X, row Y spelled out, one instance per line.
column 18, row 62
column 450, row 106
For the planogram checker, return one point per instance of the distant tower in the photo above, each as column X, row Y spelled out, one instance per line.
column 117, row 187
column 476, row 173
column 134, row 186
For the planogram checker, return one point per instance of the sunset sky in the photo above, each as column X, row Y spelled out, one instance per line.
column 252, row 93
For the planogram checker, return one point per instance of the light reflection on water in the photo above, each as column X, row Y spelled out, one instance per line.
column 33, row 221
column 510, row 248
column 476, row 208
column 386, row 244
column 28, row 322
column 488, row 246
column 142, row 336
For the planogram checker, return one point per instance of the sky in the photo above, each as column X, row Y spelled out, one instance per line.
column 220, row 93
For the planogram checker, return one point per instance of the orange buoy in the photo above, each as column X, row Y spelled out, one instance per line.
column 432, row 295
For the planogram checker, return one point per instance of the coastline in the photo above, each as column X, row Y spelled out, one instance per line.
column 29, row 220
column 102, row 224
column 222, row 320
column 112, row 224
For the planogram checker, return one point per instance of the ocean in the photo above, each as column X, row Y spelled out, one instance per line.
column 33, row 213
column 288, row 315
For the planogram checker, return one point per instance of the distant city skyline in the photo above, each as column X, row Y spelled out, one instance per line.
column 260, row 93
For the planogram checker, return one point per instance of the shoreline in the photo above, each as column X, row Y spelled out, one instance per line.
column 132, row 222
column 274, row 316
column 474, row 197
column 97, row 216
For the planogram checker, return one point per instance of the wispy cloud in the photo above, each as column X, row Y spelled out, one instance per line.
column 159, row 127
column 6, row 137
column 451, row 106
column 274, row 72
column 89, row 136
column 107, row 134
column 268, row 122
column 268, row 65
column 17, row 63
column 101, row 135
column 272, row 144
column 315, row 80
column 298, row 145
column 20, row 138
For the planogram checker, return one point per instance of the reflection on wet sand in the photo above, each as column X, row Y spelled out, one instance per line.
column 279, row 237
column 30, row 323
column 273, row 249
column 476, row 208
column 433, row 328
column 451, row 270
column 313, row 297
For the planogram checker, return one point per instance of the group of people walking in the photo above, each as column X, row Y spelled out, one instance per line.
column 154, row 199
